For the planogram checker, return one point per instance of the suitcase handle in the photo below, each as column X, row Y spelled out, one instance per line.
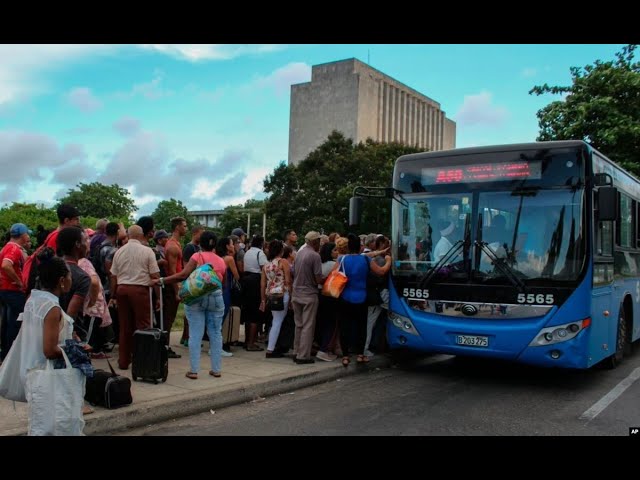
column 161, row 309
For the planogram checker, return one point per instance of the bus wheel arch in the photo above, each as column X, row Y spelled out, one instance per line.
column 622, row 344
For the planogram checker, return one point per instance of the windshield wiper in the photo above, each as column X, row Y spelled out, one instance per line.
column 451, row 253
column 502, row 265
column 464, row 244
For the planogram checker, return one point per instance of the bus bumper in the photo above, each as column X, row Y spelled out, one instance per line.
column 442, row 339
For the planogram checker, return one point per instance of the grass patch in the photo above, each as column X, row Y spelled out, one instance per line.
column 178, row 323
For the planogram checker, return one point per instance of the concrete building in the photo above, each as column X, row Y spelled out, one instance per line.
column 206, row 218
column 361, row 102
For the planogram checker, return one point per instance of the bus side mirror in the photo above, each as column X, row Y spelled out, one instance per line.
column 355, row 211
column 607, row 204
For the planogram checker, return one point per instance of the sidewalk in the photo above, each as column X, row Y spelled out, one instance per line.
column 245, row 376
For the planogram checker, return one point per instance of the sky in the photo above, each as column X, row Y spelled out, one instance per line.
column 205, row 124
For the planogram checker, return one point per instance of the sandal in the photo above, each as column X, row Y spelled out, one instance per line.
column 215, row 374
column 345, row 361
column 362, row 359
column 254, row 348
column 191, row 375
column 87, row 410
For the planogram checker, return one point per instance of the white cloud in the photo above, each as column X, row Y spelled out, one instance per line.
column 199, row 52
column 83, row 99
column 35, row 167
column 478, row 110
column 529, row 72
column 23, row 67
column 282, row 78
column 127, row 126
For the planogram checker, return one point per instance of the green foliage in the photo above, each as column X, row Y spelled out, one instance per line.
column 602, row 107
column 101, row 201
column 314, row 195
column 30, row 214
column 166, row 210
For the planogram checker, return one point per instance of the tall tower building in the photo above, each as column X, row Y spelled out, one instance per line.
column 361, row 102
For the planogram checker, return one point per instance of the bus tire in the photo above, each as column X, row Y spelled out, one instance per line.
column 622, row 340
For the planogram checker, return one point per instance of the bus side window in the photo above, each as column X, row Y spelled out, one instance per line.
column 604, row 240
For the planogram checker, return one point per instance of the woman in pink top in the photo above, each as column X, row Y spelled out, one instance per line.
column 207, row 311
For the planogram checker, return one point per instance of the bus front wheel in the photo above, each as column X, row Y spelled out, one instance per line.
column 622, row 339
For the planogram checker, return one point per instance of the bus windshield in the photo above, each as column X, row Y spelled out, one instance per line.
column 534, row 234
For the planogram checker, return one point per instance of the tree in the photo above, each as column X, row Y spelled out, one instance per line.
column 235, row 216
column 101, row 201
column 30, row 214
column 602, row 107
column 166, row 210
column 314, row 195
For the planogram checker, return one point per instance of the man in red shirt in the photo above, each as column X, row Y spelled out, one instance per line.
column 67, row 216
column 12, row 258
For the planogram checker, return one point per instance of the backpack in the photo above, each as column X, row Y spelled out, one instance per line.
column 98, row 264
column 30, row 268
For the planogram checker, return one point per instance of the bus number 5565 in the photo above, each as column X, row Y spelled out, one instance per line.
column 415, row 293
column 539, row 299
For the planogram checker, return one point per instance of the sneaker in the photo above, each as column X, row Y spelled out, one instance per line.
column 368, row 353
column 172, row 354
column 226, row 354
column 326, row 357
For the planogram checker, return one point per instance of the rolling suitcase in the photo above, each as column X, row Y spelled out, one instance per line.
column 231, row 327
column 150, row 354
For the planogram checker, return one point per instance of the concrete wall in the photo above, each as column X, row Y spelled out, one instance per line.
column 362, row 102
column 449, row 134
column 329, row 102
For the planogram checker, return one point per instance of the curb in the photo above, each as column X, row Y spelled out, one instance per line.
column 106, row 421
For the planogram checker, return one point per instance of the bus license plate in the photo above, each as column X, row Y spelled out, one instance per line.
column 472, row 341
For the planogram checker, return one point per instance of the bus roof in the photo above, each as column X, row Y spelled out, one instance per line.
column 495, row 148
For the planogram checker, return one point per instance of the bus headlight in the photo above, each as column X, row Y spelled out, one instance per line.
column 559, row 333
column 403, row 323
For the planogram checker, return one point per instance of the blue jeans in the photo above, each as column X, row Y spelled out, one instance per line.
column 13, row 303
column 206, row 311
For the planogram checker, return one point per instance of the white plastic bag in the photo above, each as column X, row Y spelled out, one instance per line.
column 11, row 381
column 55, row 400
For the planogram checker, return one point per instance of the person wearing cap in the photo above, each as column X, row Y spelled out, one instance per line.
column 68, row 215
column 305, row 299
column 444, row 245
column 12, row 294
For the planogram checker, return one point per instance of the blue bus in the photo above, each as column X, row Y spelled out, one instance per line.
column 528, row 253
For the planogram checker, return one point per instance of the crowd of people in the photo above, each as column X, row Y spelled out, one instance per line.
column 97, row 286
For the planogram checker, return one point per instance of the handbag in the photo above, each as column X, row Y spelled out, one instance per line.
column 55, row 399
column 236, row 293
column 275, row 303
column 336, row 281
column 108, row 390
column 203, row 280
column 11, row 378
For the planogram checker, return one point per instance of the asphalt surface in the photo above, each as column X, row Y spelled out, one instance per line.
column 439, row 395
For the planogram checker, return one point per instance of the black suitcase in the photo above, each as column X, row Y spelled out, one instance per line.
column 108, row 390
column 150, row 354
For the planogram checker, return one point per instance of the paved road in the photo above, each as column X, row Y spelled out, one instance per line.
column 439, row 395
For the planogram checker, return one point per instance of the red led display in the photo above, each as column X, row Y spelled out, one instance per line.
column 488, row 172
